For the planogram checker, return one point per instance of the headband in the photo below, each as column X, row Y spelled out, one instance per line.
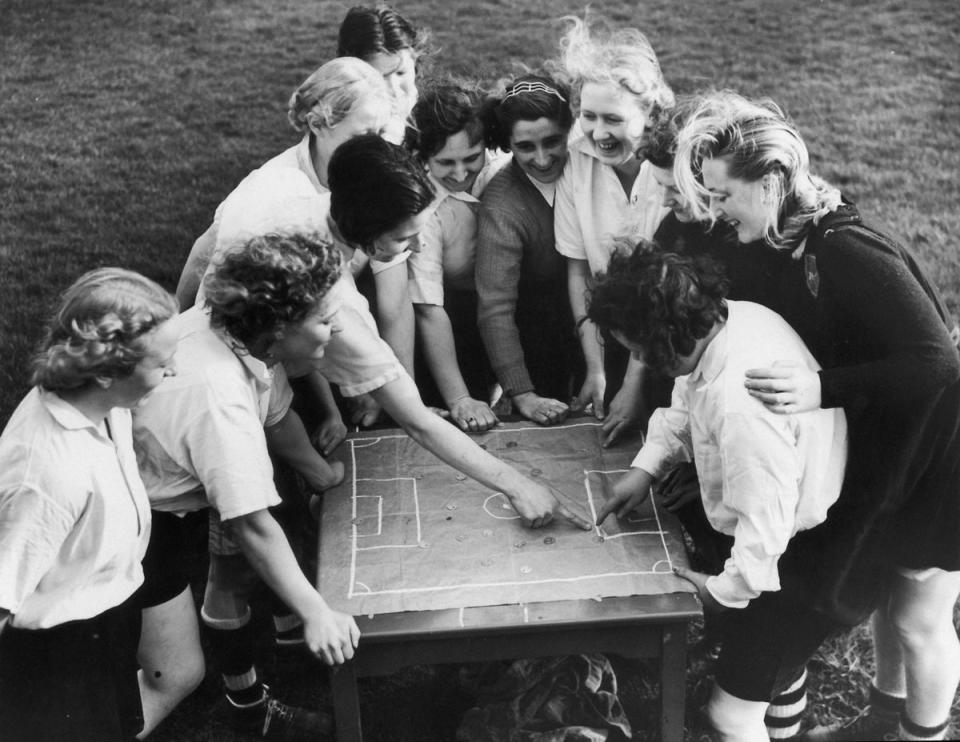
column 533, row 87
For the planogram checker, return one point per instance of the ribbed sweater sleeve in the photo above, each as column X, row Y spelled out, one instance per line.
column 507, row 224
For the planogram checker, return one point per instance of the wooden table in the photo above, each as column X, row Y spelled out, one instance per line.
column 635, row 627
column 529, row 622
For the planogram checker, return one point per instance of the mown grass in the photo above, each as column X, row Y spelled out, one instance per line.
column 122, row 125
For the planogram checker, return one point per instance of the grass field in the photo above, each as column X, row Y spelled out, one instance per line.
column 123, row 125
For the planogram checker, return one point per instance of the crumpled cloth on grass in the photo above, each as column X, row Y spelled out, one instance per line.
column 557, row 699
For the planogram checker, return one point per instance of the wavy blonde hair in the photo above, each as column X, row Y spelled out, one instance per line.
column 590, row 51
column 98, row 329
column 758, row 143
column 328, row 95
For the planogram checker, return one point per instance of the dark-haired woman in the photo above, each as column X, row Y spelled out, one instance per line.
column 523, row 308
column 388, row 42
column 75, row 520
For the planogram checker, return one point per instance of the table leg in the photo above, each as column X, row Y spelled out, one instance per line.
column 346, row 703
column 673, row 677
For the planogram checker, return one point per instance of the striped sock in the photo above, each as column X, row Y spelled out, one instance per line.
column 231, row 644
column 912, row 731
column 786, row 710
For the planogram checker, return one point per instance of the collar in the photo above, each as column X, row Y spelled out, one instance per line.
column 65, row 414
column 305, row 162
column 714, row 357
column 260, row 372
column 444, row 192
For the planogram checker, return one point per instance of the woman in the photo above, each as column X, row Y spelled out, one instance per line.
column 889, row 356
column 448, row 137
column 74, row 518
column 606, row 191
column 523, row 309
column 392, row 46
column 343, row 98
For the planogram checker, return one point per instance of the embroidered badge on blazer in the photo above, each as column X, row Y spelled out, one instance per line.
column 811, row 273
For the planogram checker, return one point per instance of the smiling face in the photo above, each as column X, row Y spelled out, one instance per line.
column 458, row 163
column 613, row 120
column 672, row 198
column 405, row 236
column 539, row 148
column 304, row 341
column 160, row 345
column 736, row 201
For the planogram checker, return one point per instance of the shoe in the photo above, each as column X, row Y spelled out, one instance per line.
column 865, row 727
column 273, row 719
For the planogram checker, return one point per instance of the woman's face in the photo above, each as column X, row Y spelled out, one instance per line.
column 304, row 342
column 399, row 71
column 160, row 345
column 736, row 201
column 672, row 198
column 539, row 148
column 405, row 236
column 612, row 120
column 457, row 164
column 370, row 114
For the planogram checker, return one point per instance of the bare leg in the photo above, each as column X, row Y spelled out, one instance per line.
column 921, row 613
column 170, row 656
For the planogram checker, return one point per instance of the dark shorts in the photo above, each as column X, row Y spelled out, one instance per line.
column 76, row 682
column 166, row 565
column 767, row 645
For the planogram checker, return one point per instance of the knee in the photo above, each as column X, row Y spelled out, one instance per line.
column 917, row 627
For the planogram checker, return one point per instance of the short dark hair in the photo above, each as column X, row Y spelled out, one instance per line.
column 527, row 98
column 659, row 145
column 367, row 31
column 663, row 302
column 269, row 282
column 445, row 107
column 374, row 187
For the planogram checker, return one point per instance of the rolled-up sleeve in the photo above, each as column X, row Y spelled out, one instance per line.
column 669, row 441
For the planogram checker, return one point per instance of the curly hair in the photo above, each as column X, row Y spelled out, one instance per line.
column 366, row 32
column 98, row 329
column 525, row 98
column 328, row 95
column 446, row 107
column 591, row 51
column 374, row 187
column 659, row 147
column 758, row 143
column 663, row 302
column 269, row 282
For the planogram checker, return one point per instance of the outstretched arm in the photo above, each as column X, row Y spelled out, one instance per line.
column 535, row 504
column 595, row 381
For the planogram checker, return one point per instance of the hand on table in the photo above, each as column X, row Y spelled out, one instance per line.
column 699, row 581
column 625, row 411
column 330, row 635
column 628, row 494
column 541, row 410
column 472, row 415
column 365, row 411
column 785, row 388
column 591, row 395
column 537, row 506
column 679, row 487
column 329, row 434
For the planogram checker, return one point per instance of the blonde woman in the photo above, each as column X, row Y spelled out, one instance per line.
column 889, row 354
column 75, row 521
column 606, row 191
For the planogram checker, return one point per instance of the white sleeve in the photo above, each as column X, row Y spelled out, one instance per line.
column 761, row 475
column 668, row 440
column 566, row 221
